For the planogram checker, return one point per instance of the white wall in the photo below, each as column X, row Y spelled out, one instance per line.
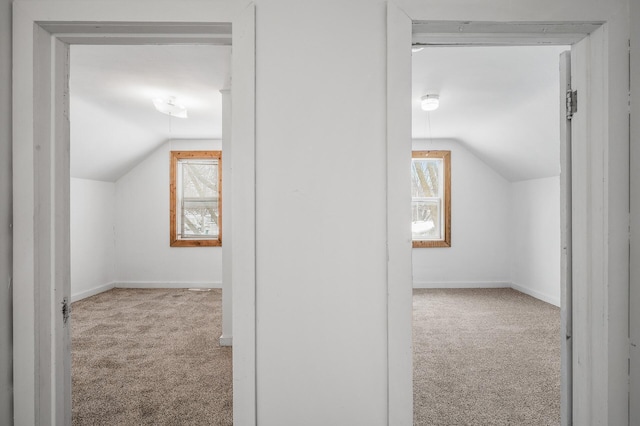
column 321, row 290
column 504, row 234
column 534, row 238
column 6, row 205
column 92, row 221
column 326, row 306
column 479, row 255
column 143, row 255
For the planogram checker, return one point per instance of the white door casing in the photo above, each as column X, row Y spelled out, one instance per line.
column 42, row 33
column 566, row 348
column 600, row 348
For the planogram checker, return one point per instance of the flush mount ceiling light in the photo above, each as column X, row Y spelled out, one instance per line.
column 430, row 102
column 170, row 107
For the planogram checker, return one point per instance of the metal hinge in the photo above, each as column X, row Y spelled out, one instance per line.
column 66, row 311
column 572, row 103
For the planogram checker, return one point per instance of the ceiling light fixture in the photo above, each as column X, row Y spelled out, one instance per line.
column 430, row 102
column 170, row 107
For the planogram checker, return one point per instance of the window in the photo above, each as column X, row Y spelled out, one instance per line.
column 431, row 198
column 195, row 199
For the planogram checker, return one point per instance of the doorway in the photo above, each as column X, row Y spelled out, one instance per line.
column 42, row 362
column 586, row 42
column 589, row 39
column 129, row 285
column 498, row 117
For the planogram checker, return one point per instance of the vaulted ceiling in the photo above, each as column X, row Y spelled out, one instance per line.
column 501, row 103
column 113, row 121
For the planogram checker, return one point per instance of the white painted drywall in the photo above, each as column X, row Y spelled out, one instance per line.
column 479, row 255
column 143, row 255
column 345, row 313
column 6, row 312
column 534, row 238
column 93, row 249
column 112, row 133
column 226, row 338
column 321, row 225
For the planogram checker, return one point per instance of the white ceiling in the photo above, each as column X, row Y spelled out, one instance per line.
column 501, row 103
column 113, row 122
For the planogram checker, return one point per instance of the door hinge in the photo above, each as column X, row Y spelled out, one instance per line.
column 572, row 103
column 66, row 311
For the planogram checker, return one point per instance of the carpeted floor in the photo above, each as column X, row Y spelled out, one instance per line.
column 485, row 357
column 150, row 357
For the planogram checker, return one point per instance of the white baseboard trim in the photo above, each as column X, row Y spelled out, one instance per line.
column 226, row 340
column 92, row 292
column 168, row 284
column 533, row 293
column 462, row 284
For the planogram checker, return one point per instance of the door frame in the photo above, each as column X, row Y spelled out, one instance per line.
column 600, row 312
column 35, row 222
column 42, row 32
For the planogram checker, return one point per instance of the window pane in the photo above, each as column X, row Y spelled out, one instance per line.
column 425, row 177
column 198, row 198
column 200, row 220
column 195, row 199
column 431, row 198
column 426, row 219
column 199, row 178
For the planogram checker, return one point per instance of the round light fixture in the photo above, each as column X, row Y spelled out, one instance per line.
column 170, row 107
column 430, row 102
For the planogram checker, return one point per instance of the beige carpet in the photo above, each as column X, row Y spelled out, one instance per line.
column 485, row 357
column 150, row 357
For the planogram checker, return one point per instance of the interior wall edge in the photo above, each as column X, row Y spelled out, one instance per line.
column 461, row 284
column 168, row 284
column 536, row 294
column 91, row 292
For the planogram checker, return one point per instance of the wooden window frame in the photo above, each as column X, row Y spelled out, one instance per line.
column 446, row 157
column 174, row 241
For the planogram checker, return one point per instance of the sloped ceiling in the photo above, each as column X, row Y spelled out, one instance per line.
column 113, row 122
column 501, row 103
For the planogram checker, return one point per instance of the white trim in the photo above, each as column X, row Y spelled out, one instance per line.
column 634, row 296
column 398, row 210
column 92, row 292
column 600, row 239
column 41, row 367
column 487, row 284
column 461, row 284
column 243, row 226
column 168, row 284
column 226, row 340
column 538, row 295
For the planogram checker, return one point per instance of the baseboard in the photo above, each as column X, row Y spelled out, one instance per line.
column 533, row 293
column 462, row 284
column 226, row 340
column 92, row 292
column 168, row 284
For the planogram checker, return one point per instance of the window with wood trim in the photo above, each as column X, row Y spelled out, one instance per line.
column 431, row 198
column 195, row 199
